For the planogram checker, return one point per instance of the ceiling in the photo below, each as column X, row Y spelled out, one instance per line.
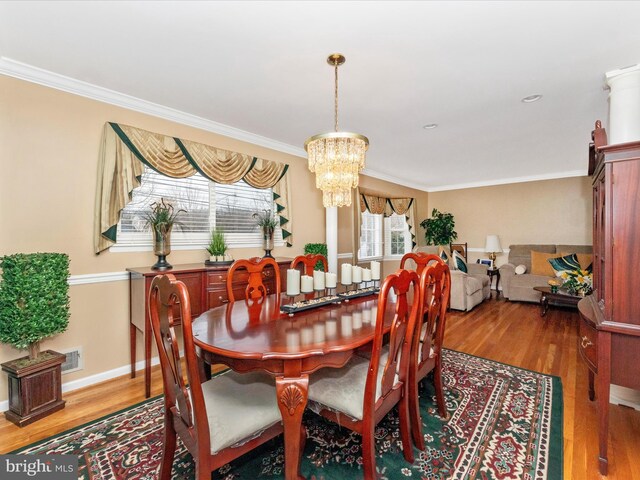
column 257, row 71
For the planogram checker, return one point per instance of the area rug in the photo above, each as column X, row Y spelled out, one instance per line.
column 504, row 423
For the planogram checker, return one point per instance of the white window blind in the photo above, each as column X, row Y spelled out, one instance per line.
column 206, row 204
column 397, row 239
column 370, row 236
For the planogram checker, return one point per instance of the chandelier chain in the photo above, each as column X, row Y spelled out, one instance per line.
column 335, row 64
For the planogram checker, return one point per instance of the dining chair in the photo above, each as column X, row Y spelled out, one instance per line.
column 426, row 350
column 309, row 261
column 361, row 393
column 421, row 260
column 255, row 267
column 218, row 420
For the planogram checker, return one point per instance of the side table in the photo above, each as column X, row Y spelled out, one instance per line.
column 494, row 272
column 559, row 298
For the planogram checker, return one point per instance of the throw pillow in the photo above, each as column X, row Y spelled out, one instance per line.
column 459, row 262
column 520, row 269
column 584, row 259
column 444, row 255
column 540, row 264
column 568, row 263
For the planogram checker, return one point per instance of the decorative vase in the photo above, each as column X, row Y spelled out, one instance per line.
column 161, row 248
column 267, row 241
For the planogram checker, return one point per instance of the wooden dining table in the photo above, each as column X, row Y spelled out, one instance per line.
column 258, row 336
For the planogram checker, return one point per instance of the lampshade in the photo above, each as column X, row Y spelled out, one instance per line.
column 492, row 245
column 336, row 157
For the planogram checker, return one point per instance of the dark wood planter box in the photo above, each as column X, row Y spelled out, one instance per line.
column 35, row 390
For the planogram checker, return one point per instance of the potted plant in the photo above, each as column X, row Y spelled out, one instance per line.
column 217, row 248
column 267, row 222
column 34, row 305
column 161, row 219
column 439, row 228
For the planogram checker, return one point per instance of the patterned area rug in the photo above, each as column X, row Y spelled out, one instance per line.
column 504, row 423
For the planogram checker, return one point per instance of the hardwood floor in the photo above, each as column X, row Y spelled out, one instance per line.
column 512, row 333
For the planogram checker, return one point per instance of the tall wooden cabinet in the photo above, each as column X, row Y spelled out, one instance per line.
column 609, row 332
column 207, row 289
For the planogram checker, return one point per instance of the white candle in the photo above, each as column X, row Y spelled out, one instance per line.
column 345, row 278
column 346, row 327
column 357, row 320
column 306, row 284
column 293, row 282
column 318, row 280
column 375, row 270
column 366, row 274
column 331, row 280
column 356, row 274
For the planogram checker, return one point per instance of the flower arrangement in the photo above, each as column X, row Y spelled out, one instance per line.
column 577, row 282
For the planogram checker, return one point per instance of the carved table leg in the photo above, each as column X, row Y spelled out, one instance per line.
column 292, row 400
column 544, row 305
column 592, row 391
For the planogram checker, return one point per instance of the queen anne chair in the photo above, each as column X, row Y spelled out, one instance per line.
column 435, row 285
column 309, row 261
column 255, row 266
column 218, row 420
column 360, row 394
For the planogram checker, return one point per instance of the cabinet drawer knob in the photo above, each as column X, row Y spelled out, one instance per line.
column 223, row 300
column 586, row 342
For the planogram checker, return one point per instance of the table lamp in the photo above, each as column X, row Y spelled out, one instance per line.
column 492, row 246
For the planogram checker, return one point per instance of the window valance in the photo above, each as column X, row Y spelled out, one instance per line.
column 388, row 206
column 126, row 150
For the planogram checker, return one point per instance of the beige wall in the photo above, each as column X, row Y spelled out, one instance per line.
column 48, row 152
column 547, row 211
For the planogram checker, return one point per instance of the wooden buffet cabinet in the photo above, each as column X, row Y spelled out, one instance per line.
column 609, row 331
column 207, row 289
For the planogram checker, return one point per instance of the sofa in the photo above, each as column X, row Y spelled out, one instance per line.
column 467, row 289
column 517, row 287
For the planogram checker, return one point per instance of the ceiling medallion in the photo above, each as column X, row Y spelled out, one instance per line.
column 336, row 157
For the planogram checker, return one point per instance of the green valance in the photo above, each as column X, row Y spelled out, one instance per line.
column 125, row 150
column 388, row 206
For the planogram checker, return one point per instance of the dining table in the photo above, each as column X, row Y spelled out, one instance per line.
column 257, row 335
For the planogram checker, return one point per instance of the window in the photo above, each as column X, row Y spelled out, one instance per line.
column 370, row 236
column 397, row 238
column 207, row 205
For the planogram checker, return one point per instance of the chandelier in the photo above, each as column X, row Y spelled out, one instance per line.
column 336, row 157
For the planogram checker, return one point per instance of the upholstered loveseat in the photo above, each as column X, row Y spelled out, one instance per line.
column 520, row 287
column 467, row 289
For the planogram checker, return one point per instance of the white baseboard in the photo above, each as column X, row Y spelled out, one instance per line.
column 93, row 379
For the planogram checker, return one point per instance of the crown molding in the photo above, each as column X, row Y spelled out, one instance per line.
column 506, row 181
column 50, row 79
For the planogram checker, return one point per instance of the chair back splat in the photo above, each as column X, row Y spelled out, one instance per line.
column 256, row 268
column 309, row 261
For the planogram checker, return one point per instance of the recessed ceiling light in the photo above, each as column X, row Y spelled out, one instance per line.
column 430, row 126
column 531, row 98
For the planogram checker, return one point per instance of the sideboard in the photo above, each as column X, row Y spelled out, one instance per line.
column 207, row 287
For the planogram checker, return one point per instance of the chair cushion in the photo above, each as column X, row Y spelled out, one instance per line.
column 472, row 285
column 240, row 406
column 342, row 389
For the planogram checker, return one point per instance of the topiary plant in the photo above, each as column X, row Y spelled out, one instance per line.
column 34, row 299
column 439, row 228
column 317, row 248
